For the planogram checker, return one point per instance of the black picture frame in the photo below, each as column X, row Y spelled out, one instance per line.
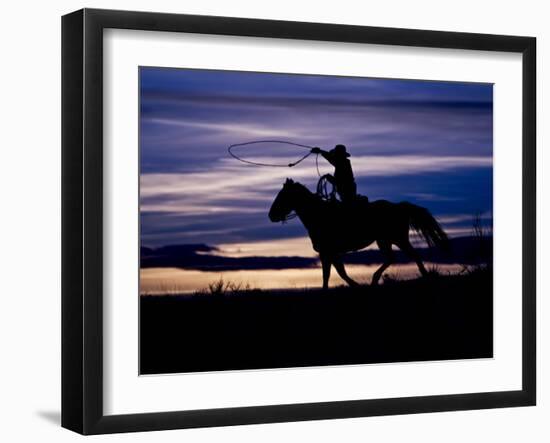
column 82, row 218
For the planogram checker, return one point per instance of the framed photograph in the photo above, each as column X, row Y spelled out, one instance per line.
column 269, row 221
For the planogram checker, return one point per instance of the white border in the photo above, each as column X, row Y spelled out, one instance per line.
column 126, row 392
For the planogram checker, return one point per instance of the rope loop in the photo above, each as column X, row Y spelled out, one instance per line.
column 273, row 165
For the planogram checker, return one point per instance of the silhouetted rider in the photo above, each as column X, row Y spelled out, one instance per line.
column 343, row 179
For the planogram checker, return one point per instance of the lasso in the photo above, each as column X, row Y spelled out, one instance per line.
column 279, row 165
column 322, row 188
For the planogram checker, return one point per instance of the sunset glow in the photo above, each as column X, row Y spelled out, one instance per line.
column 162, row 281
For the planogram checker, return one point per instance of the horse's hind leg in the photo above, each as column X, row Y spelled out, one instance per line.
column 408, row 249
column 339, row 266
column 385, row 248
column 326, row 262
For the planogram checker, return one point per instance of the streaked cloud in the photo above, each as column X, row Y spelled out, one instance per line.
column 206, row 192
column 227, row 129
column 426, row 142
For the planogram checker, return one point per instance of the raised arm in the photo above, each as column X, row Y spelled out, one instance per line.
column 327, row 155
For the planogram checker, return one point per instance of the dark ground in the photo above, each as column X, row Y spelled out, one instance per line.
column 438, row 318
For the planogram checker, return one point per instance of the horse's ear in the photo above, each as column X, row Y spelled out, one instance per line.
column 289, row 181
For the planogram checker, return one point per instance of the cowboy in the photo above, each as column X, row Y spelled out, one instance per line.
column 343, row 179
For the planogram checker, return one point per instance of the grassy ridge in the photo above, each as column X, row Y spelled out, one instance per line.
column 437, row 318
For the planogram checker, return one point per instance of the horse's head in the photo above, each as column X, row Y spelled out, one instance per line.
column 284, row 203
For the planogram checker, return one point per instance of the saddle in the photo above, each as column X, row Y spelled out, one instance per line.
column 351, row 210
column 359, row 200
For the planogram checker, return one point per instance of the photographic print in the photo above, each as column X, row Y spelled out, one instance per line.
column 292, row 220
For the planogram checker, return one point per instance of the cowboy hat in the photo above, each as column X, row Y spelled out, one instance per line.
column 340, row 150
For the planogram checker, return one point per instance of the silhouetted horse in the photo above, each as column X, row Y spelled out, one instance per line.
column 335, row 228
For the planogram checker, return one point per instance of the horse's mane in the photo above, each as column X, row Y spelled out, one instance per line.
column 301, row 186
column 304, row 189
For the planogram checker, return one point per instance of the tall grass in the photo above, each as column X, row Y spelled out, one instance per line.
column 481, row 249
column 221, row 287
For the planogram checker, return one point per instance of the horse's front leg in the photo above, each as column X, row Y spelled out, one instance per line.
column 326, row 262
column 339, row 266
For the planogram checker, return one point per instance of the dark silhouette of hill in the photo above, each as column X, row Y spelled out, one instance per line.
column 464, row 250
column 434, row 318
column 197, row 257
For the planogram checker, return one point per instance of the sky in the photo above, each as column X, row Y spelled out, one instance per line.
column 426, row 142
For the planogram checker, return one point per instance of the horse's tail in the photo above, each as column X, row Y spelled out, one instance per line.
column 424, row 223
